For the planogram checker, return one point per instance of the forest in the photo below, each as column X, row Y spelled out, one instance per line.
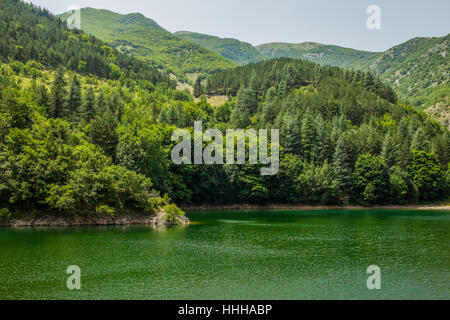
column 84, row 128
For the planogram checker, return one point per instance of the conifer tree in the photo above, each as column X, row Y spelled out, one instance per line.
column 73, row 100
column 103, row 132
column 198, row 89
column 100, row 102
column 388, row 153
column 57, row 95
column 308, row 135
column 341, row 168
column 420, row 142
column 246, row 105
column 87, row 111
column 292, row 135
column 117, row 106
column 322, row 144
column 41, row 95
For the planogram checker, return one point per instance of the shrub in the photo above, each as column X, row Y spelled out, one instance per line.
column 105, row 210
column 5, row 215
column 172, row 212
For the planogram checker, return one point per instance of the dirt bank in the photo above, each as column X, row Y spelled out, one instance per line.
column 48, row 220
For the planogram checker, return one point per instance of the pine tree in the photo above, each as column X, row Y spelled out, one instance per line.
column 103, row 132
column 420, row 142
column 269, row 110
column 322, row 145
column 246, row 105
column 87, row 112
column 388, row 153
column 73, row 100
column 403, row 143
column 100, row 102
column 308, row 135
column 198, row 88
column 441, row 148
column 341, row 168
column 41, row 95
column 57, row 95
column 292, row 135
column 117, row 106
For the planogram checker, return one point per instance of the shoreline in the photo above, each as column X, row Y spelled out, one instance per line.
column 48, row 220
column 243, row 207
column 157, row 220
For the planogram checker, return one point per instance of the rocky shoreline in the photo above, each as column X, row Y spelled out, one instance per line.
column 39, row 220
column 243, row 207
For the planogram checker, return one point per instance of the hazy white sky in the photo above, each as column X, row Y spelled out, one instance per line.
column 340, row 22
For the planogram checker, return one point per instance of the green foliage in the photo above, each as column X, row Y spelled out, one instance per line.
column 103, row 131
column 341, row 168
column 57, row 96
column 105, row 210
column 30, row 33
column 95, row 144
column 5, row 215
column 415, row 69
column 426, row 175
column 73, row 100
column 241, row 53
column 292, row 74
column 138, row 36
column 318, row 53
column 370, row 179
column 401, row 185
column 198, row 88
column 172, row 213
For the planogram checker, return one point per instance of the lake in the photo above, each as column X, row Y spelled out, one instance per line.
column 237, row 255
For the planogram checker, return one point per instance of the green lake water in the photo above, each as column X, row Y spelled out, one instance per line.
column 236, row 255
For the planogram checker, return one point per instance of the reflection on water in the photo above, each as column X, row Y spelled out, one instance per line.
column 236, row 255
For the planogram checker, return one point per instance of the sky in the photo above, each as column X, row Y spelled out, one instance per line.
column 338, row 22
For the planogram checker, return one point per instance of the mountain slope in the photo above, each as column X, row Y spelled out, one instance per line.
column 34, row 36
column 319, row 53
column 417, row 69
column 145, row 39
column 237, row 51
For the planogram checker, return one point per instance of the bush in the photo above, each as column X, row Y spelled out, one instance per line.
column 5, row 215
column 105, row 210
column 172, row 212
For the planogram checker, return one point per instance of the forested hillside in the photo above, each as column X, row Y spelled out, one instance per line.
column 419, row 70
column 344, row 139
column 84, row 142
column 33, row 35
column 143, row 38
column 59, row 128
column 237, row 51
column 319, row 53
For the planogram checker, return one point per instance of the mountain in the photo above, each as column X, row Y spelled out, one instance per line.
column 143, row 38
column 418, row 69
column 87, row 131
column 36, row 37
column 237, row 51
column 319, row 53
